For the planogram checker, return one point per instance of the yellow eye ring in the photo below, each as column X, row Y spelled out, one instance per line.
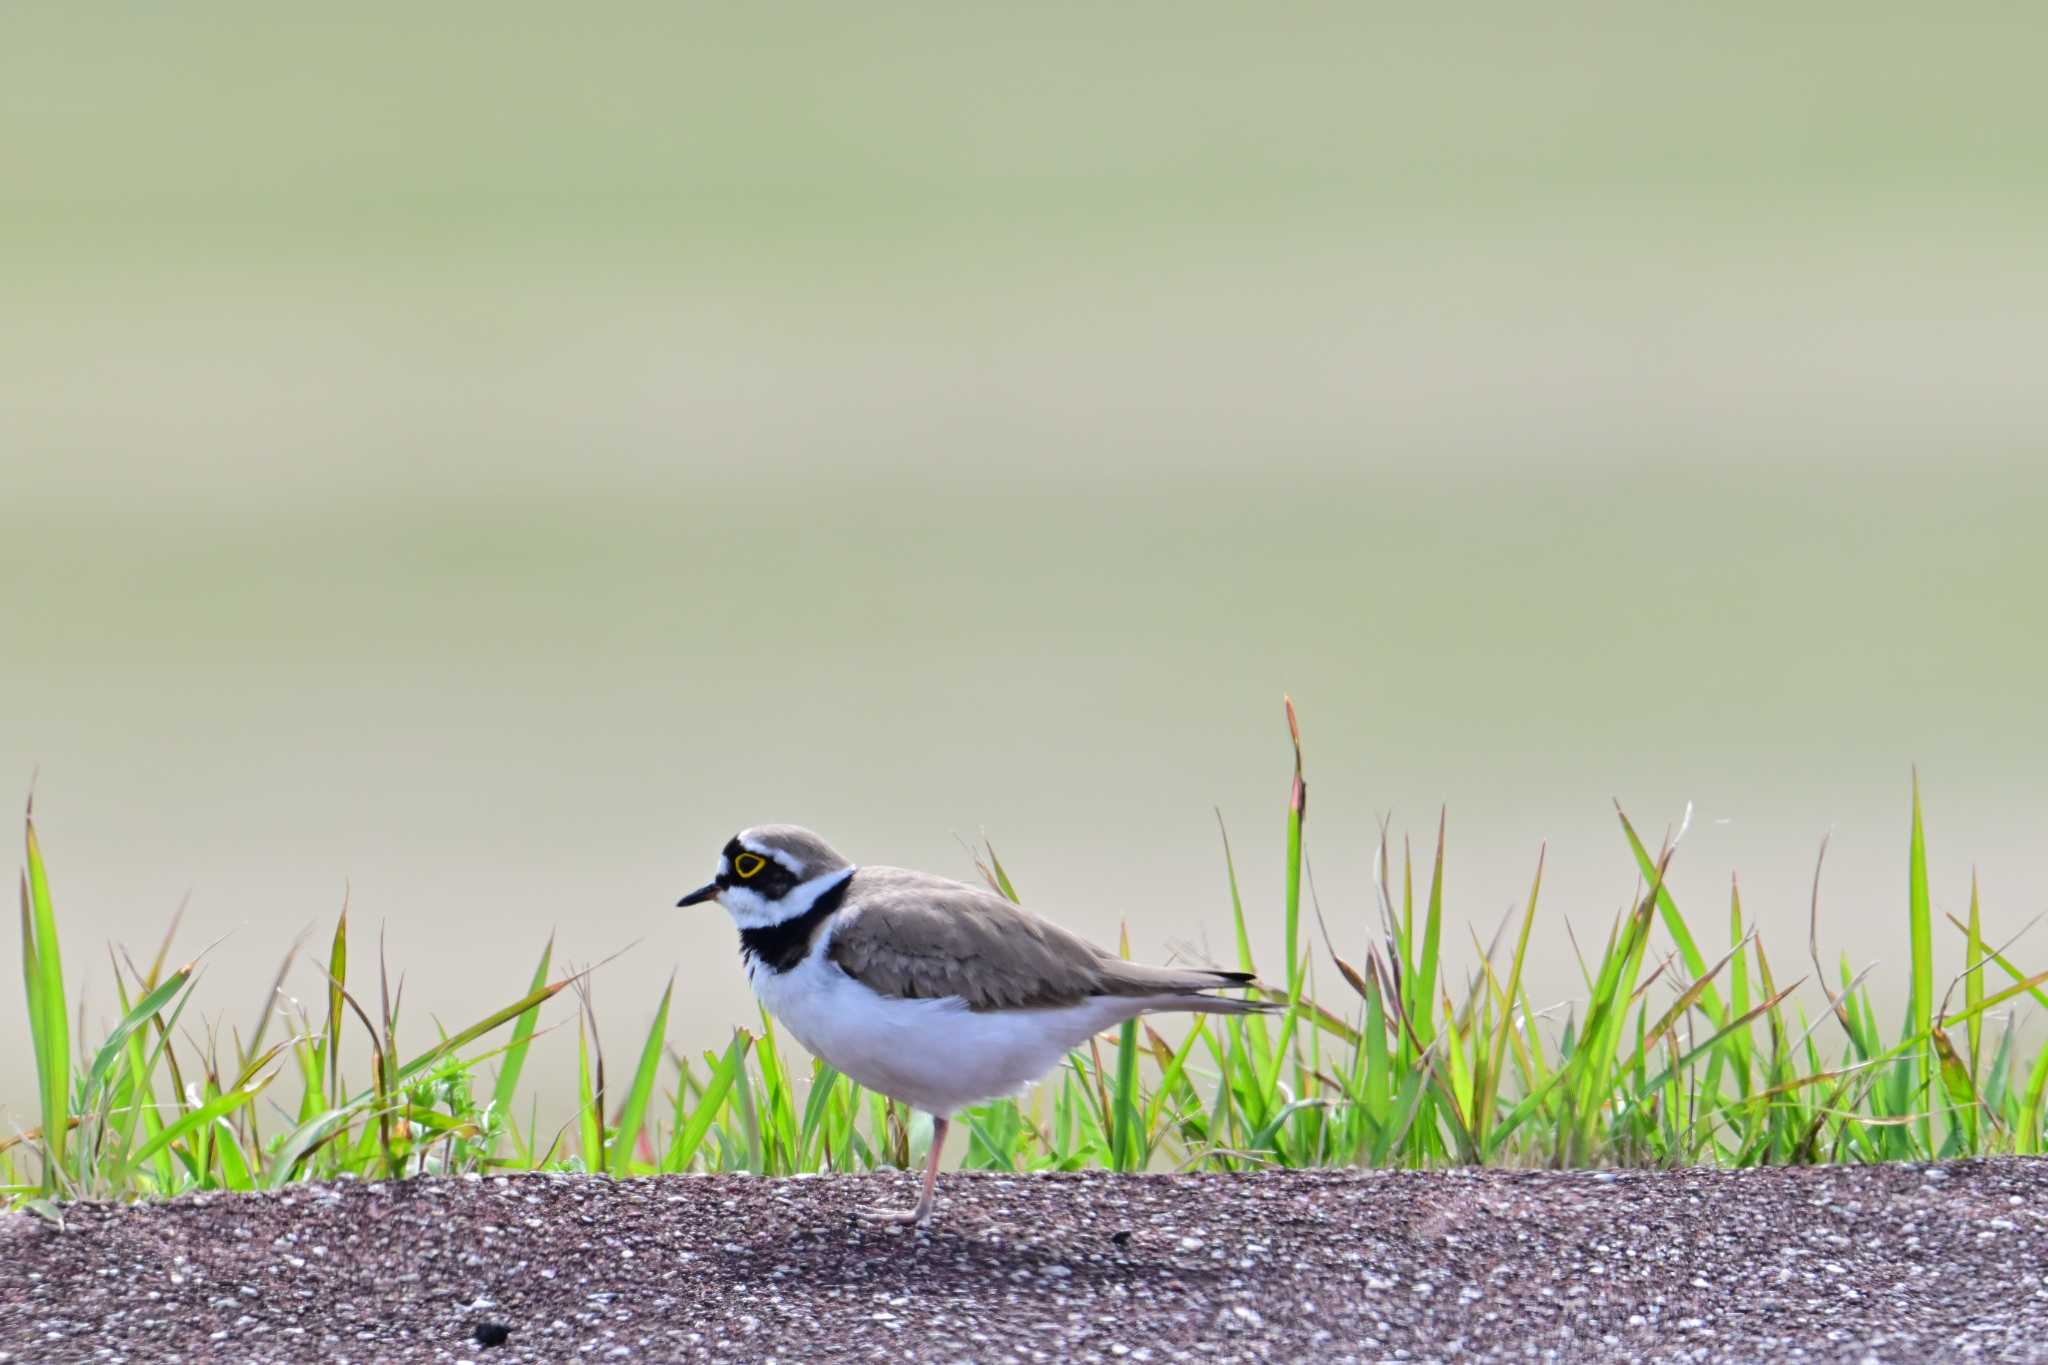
column 747, row 864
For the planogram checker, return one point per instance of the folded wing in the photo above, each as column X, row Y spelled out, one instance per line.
column 917, row 936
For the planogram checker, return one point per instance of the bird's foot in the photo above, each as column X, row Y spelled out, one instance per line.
column 922, row 1211
column 900, row 1217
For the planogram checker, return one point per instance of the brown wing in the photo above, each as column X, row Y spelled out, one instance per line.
column 921, row 937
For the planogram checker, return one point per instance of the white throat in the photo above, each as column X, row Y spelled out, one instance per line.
column 750, row 911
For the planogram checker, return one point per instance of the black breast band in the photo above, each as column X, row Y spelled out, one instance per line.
column 780, row 947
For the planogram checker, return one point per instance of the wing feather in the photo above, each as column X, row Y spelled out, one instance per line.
column 916, row 936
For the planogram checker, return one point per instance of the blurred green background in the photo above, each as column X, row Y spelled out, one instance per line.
column 481, row 457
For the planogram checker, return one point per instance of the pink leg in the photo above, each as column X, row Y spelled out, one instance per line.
column 923, row 1211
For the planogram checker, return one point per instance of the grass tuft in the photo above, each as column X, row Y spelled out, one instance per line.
column 1668, row 1058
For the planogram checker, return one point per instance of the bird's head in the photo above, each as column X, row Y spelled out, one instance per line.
column 771, row 873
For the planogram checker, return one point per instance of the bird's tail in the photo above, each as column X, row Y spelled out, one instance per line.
column 1154, row 990
column 1215, row 1004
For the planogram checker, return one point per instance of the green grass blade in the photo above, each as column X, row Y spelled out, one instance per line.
column 1664, row 1077
column 1126, row 1148
column 1920, row 921
column 1674, row 923
column 1257, row 1024
column 1170, row 1076
column 1973, row 975
column 337, row 984
column 51, row 1021
column 1244, row 941
column 779, row 1127
column 1738, row 990
column 507, row 1088
column 589, row 1115
column 496, row 1019
column 998, row 877
column 1422, row 986
column 2029, row 1126
column 194, row 1120
column 690, row 1136
column 634, row 1112
column 38, row 1026
column 227, row 1148
column 1488, row 1101
column 1959, row 1092
column 307, row 1138
column 818, row 1105
column 117, row 1041
column 1297, row 811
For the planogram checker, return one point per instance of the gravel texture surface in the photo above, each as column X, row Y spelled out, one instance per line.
column 1896, row 1264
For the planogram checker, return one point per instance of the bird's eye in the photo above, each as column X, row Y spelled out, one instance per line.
column 747, row 864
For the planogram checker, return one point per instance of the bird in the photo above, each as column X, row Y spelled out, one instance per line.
column 934, row 992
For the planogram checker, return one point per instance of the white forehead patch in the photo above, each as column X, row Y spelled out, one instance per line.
column 789, row 863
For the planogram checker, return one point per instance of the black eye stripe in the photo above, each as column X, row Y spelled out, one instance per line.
column 770, row 881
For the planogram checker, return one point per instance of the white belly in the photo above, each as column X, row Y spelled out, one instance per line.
column 936, row 1055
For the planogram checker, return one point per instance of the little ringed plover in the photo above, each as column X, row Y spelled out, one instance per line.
column 929, row 990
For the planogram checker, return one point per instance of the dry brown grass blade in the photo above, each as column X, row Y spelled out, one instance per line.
column 1820, row 973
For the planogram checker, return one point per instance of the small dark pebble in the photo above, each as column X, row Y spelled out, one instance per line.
column 1121, row 1237
column 492, row 1334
